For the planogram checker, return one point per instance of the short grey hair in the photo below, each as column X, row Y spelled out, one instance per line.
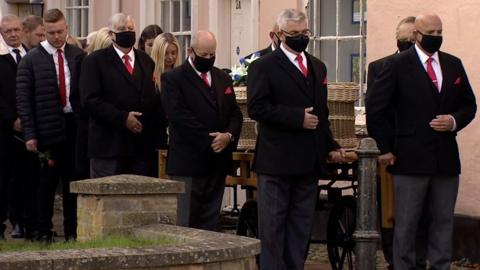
column 118, row 19
column 290, row 15
column 9, row 18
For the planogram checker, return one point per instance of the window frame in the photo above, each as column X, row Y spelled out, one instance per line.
column 182, row 33
column 75, row 28
column 314, row 13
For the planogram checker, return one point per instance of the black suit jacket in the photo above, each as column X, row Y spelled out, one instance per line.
column 404, row 85
column 374, row 69
column 261, row 52
column 8, row 110
column 277, row 99
column 192, row 114
column 108, row 93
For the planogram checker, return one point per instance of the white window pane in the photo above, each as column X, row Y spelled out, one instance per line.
column 84, row 22
column 165, row 16
column 176, row 16
column 187, row 21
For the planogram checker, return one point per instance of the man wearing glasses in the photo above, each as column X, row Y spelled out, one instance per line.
column 287, row 96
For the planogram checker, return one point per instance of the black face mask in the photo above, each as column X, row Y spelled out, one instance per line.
column 125, row 39
column 430, row 43
column 403, row 45
column 297, row 43
column 203, row 64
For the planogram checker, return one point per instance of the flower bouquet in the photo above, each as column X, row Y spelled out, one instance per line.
column 239, row 72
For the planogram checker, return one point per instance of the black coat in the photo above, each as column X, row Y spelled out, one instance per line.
column 277, row 98
column 374, row 69
column 8, row 110
column 38, row 99
column 108, row 93
column 404, row 85
column 261, row 53
column 192, row 115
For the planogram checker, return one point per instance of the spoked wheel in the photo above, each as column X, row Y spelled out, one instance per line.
column 340, row 228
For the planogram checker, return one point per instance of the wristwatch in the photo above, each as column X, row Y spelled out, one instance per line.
column 231, row 136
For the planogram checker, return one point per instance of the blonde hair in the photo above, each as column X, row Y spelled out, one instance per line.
column 159, row 50
column 100, row 40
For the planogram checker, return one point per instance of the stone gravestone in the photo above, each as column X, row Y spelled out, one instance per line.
column 115, row 205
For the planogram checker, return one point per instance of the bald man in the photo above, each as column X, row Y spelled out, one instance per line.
column 204, row 127
column 432, row 101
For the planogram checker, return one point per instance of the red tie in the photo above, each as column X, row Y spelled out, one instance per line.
column 205, row 78
column 61, row 78
column 431, row 72
column 128, row 66
column 303, row 68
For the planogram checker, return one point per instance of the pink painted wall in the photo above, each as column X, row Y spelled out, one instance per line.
column 461, row 35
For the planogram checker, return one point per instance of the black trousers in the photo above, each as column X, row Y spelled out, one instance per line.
column 18, row 177
column 286, row 205
column 63, row 171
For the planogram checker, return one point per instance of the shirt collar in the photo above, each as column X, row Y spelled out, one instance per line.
column 291, row 56
column 50, row 49
column 131, row 53
column 193, row 66
column 20, row 48
column 424, row 57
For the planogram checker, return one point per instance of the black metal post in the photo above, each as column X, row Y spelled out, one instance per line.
column 366, row 235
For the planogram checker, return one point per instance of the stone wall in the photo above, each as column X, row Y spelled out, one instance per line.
column 115, row 205
column 193, row 250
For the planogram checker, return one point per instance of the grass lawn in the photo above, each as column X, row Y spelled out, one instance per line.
column 113, row 241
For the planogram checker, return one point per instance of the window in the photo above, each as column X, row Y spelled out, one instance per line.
column 175, row 17
column 77, row 17
column 339, row 33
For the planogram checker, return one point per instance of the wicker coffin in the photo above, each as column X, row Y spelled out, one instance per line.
column 341, row 104
column 248, row 135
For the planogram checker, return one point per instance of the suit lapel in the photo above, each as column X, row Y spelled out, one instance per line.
column 419, row 71
column 292, row 71
column 200, row 86
column 447, row 74
column 119, row 65
column 219, row 88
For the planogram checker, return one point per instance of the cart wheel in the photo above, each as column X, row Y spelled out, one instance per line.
column 248, row 219
column 340, row 228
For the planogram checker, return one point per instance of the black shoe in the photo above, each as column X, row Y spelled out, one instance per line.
column 46, row 238
column 70, row 238
column 18, row 231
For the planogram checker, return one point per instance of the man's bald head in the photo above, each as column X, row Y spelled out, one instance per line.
column 429, row 24
column 428, row 32
column 203, row 44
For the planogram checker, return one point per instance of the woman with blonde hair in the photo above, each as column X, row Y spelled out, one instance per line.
column 100, row 40
column 165, row 54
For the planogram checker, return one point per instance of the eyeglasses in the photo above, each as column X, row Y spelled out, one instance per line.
column 307, row 33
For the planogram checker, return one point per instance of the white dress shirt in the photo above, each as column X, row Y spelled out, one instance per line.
column 209, row 75
column 131, row 54
column 14, row 55
column 292, row 57
column 53, row 51
column 438, row 72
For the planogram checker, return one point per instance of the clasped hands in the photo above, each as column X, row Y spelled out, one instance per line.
column 441, row 123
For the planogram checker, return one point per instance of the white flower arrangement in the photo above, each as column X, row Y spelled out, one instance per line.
column 240, row 72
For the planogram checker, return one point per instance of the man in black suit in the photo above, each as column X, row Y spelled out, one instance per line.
column 405, row 39
column 273, row 45
column 204, row 127
column 287, row 95
column 43, row 91
column 126, row 120
column 432, row 101
column 13, row 154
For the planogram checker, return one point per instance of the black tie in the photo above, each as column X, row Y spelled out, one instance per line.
column 18, row 57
